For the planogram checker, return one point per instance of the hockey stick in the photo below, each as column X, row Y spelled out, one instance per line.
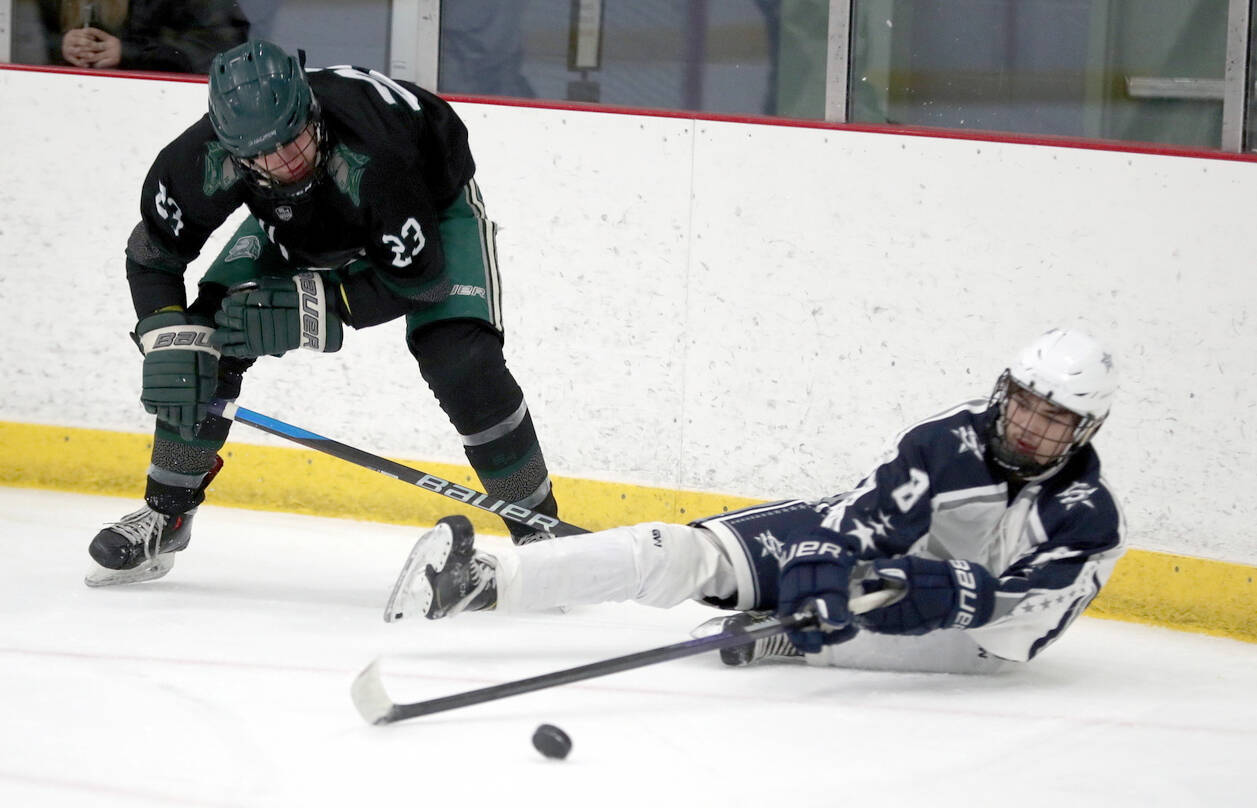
column 428, row 482
column 377, row 708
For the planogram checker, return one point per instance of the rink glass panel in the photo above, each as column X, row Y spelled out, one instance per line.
column 1133, row 70
column 1125, row 70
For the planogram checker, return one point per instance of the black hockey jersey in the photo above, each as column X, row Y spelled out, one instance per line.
column 399, row 155
column 1052, row 544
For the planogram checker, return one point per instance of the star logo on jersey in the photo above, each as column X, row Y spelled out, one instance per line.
column 407, row 245
column 168, row 209
column 771, row 544
column 968, row 438
column 881, row 525
column 863, row 534
column 1077, row 494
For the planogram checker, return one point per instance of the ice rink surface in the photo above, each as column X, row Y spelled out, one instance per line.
column 227, row 684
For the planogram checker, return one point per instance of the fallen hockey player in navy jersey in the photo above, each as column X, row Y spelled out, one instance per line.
column 991, row 519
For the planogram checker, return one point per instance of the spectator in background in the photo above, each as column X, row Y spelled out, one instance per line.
column 166, row 35
column 482, row 49
column 798, row 43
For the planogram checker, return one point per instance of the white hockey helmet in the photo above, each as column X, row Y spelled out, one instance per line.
column 1066, row 368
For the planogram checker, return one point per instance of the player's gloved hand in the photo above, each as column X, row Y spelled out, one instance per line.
column 180, row 368
column 937, row 594
column 275, row 315
column 817, row 574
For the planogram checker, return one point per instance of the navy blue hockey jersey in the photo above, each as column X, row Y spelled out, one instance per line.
column 1052, row 544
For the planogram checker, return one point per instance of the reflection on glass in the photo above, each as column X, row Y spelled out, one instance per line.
column 727, row 56
column 183, row 37
column 1146, row 70
column 122, row 35
column 331, row 32
column 1250, row 111
column 482, row 48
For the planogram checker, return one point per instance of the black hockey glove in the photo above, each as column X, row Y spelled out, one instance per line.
column 180, row 368
column 938, row 594
column 275, row 315
column 816, row 573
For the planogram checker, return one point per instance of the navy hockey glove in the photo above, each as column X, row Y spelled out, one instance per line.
column 275, row 315
column 816, row 573
column 937, row 594
column 180, row 368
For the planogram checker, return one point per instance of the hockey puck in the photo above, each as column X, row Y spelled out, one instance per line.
column 552, row 741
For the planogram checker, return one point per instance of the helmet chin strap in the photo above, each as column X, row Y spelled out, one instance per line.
column 1028, row 470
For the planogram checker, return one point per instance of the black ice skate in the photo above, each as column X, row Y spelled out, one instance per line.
column 138, row 547
column 776, row 647
column 444, row 575
column 141, row 545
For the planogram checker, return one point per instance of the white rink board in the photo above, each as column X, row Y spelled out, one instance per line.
column 704, row 305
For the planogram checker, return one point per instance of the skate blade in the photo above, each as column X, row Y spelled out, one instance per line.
column 149, row 571
column 431, row 549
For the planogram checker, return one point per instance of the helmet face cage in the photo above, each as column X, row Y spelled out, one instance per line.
column 1061, row 432
column 260, row 104
column 301, row 168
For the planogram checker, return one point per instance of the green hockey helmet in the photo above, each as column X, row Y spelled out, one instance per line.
column 259, row 98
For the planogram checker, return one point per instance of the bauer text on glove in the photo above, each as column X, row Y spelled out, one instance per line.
column 274, row 315
column 937, row 594
column 180, row 368
column 816, row 573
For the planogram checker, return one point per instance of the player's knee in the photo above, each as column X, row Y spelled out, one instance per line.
column 463, row 365
column 451, row 354
column 209, row 297
column 674, row 562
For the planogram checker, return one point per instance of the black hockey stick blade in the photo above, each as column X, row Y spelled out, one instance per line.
column 376, row 707
column 420, row 479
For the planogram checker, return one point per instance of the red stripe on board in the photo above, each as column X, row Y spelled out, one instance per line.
column 979, row 136
column 187, row 78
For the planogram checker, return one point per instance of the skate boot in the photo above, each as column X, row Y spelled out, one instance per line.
column 141, row 545
column 444, row 575
column 522, row 534
column 776, row 647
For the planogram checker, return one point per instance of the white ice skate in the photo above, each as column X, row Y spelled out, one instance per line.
column 444, row 575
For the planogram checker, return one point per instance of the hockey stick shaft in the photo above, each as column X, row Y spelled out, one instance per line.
column 376, row 707
column 421, row 479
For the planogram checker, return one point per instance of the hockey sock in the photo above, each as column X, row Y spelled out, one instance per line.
column 176, row 473
column 178, row 468
column 462, row 363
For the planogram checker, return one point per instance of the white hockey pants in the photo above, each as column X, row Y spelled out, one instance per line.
column 659, row 564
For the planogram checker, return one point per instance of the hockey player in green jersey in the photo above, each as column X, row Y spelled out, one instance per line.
column 363, row 210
